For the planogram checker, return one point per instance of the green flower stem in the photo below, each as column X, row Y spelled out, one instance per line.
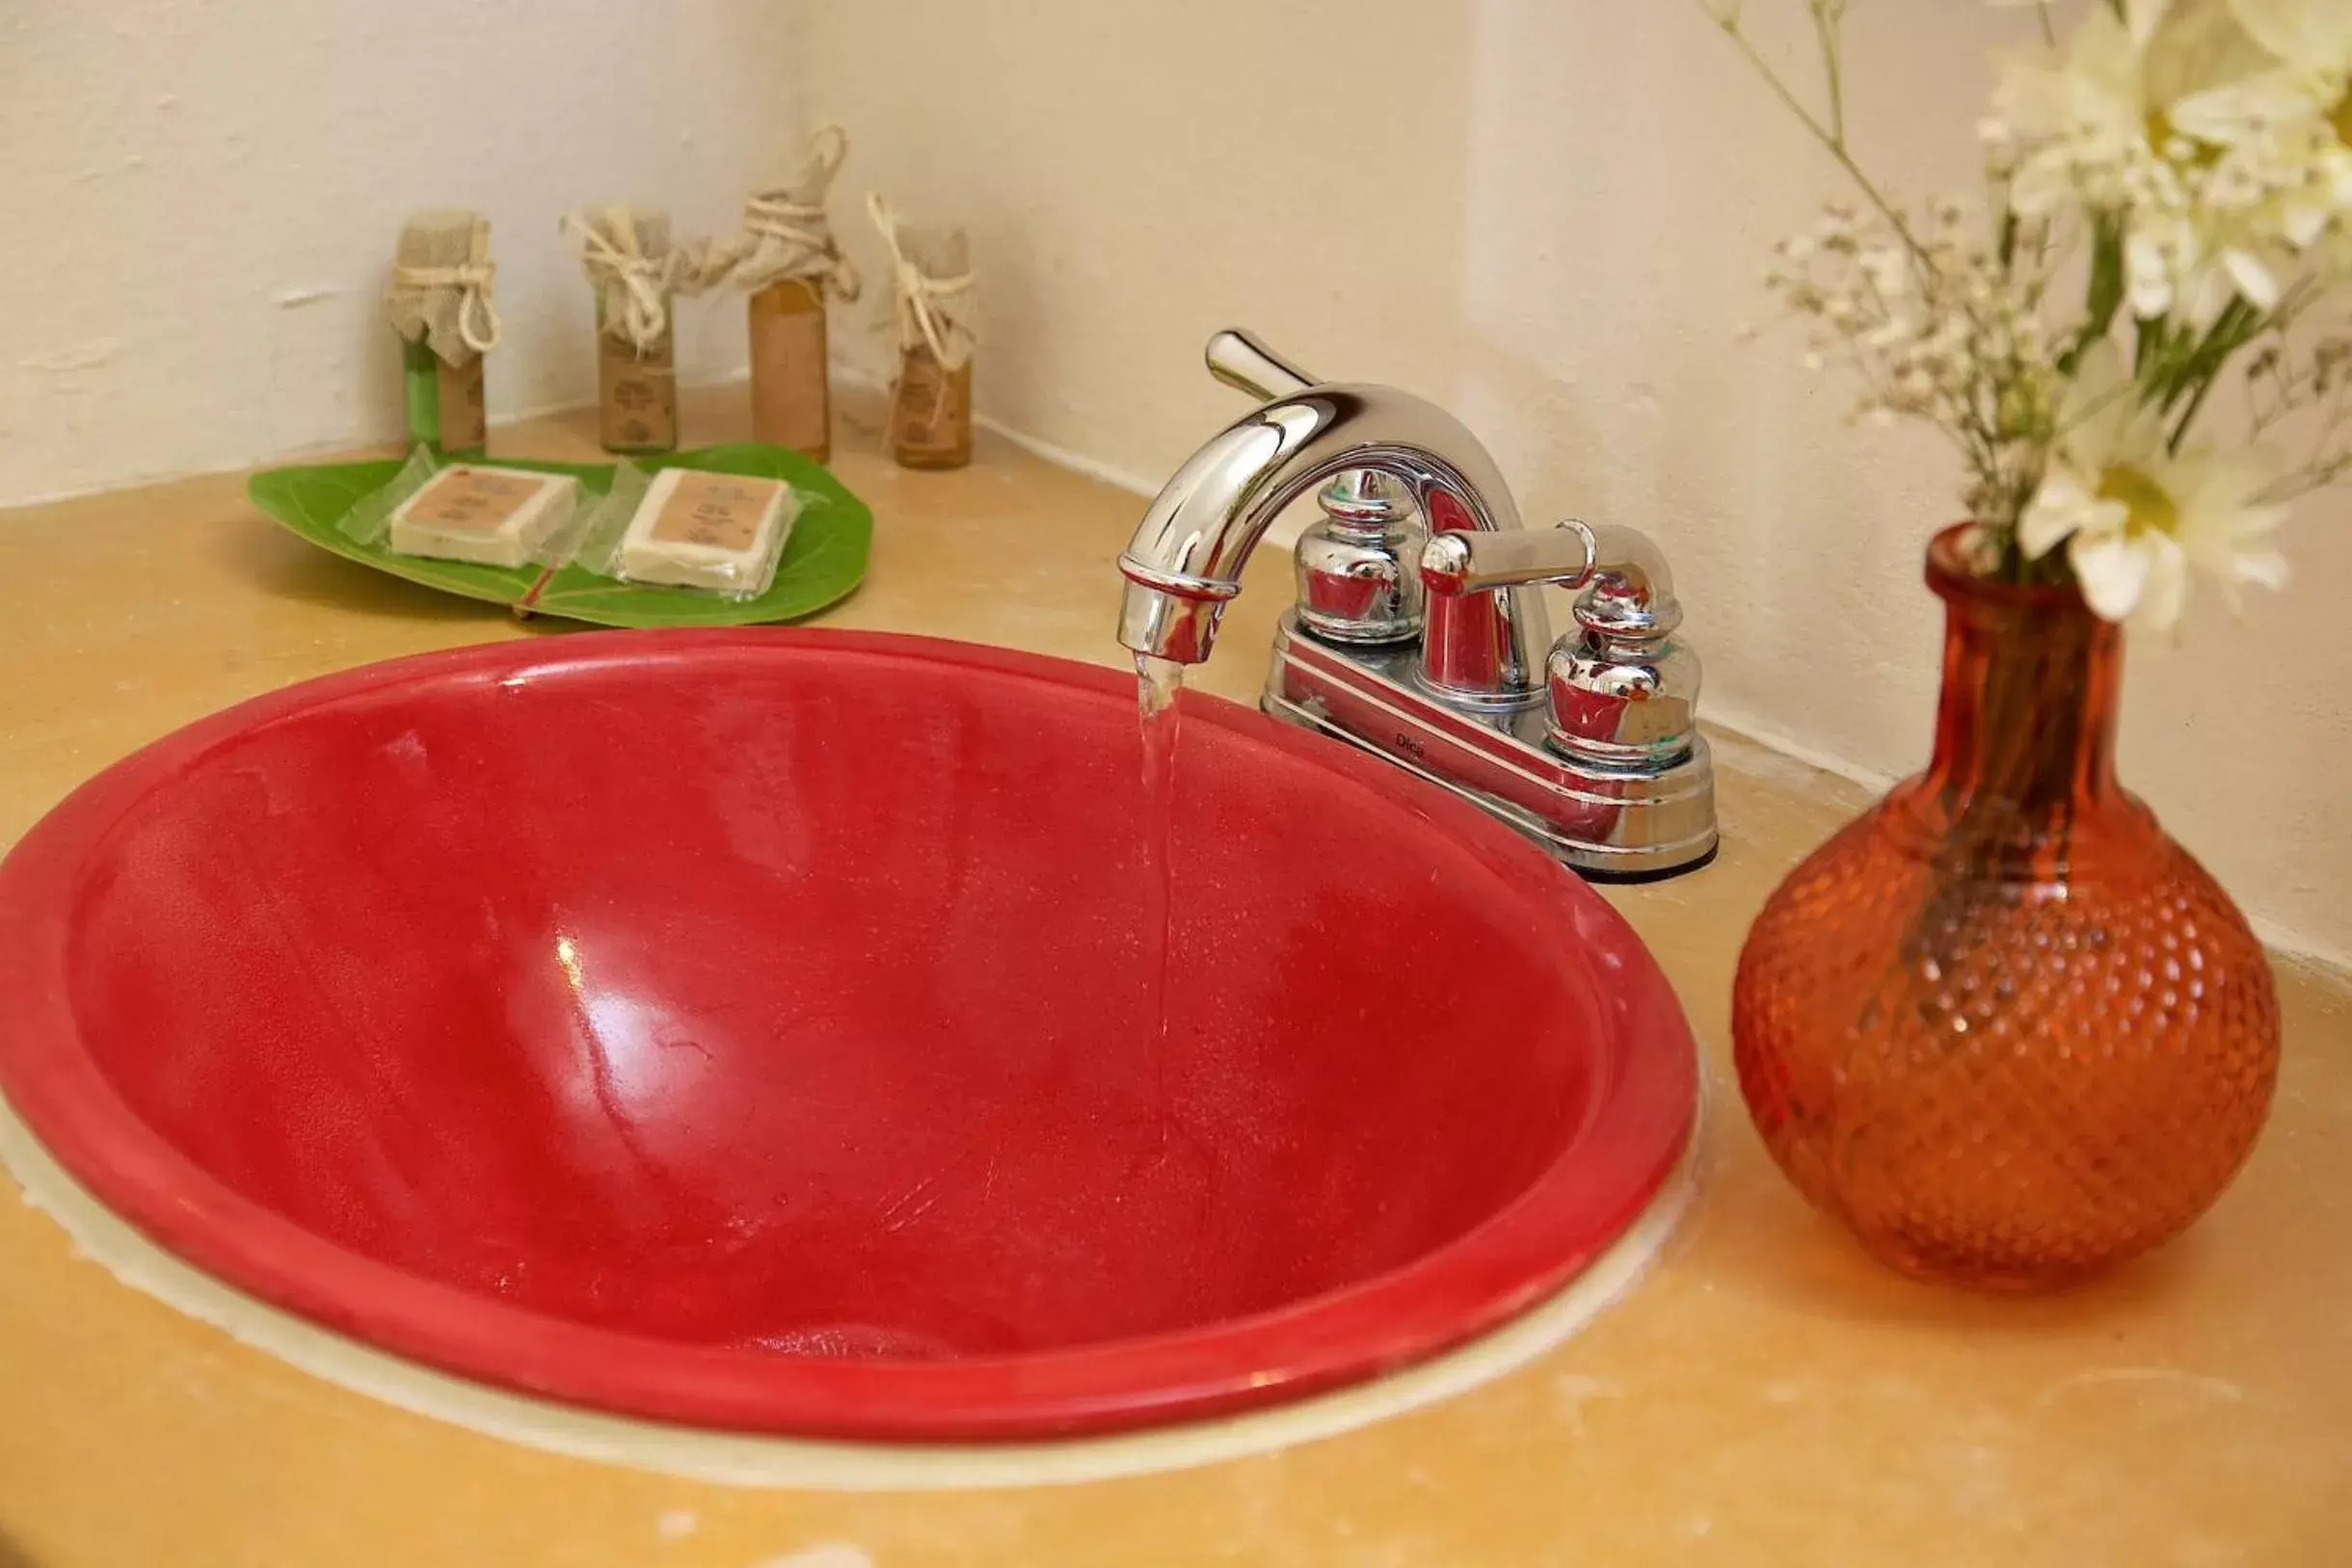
column 2105, row 295
column 2188, row 415
column 1832, row 137
column 1826, row 20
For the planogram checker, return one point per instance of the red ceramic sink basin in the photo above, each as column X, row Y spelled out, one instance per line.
column 752, row 1029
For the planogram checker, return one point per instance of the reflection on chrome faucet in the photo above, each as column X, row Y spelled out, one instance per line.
column 1420, row 627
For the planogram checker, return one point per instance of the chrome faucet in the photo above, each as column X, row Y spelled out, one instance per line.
column 1420, row 629
column 1483, row 652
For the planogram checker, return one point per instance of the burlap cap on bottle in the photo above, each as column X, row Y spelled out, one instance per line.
column 440, row 284
column 626, row 252
column 787, row 232
column 932, row 276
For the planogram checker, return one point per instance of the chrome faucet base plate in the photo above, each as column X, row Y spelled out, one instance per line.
column 1610, row 823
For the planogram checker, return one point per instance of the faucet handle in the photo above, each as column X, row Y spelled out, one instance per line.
column 1477, row 562
column 1623, row 689
column 1241, row 361
column 1359, row 564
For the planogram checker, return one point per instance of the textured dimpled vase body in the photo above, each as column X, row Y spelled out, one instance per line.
column 2002, row 1026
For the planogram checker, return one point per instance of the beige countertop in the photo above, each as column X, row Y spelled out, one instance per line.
column 1764, row 1396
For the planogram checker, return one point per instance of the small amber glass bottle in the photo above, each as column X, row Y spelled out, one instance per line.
column 791, row 396
column 931, row 415
column 638, row 389
column 626, row 252
column 930, row 412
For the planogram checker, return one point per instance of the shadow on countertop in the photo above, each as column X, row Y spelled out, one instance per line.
column 288, row 567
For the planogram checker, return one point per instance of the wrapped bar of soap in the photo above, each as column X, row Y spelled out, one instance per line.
column 721, row 532
column 494, row 517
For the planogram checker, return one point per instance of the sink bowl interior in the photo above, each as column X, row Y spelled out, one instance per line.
column 755, row 1030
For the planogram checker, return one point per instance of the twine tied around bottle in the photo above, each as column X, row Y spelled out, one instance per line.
column 440, row 288
column 931, row 307
column 632, row 284
column 787, row 233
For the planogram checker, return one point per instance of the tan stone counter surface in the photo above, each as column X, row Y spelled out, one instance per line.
column 1764, row 1396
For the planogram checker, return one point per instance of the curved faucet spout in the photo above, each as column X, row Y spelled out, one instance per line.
column 1186, row 559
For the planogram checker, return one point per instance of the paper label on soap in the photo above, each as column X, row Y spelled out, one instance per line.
column 788, row 377
column 640, row 395
column 473, row 500
column 720, row 511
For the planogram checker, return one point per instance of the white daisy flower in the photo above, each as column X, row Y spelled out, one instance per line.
column 2096, row 123
column 2284, row 131
column 2134, row 516
column 2311, row 37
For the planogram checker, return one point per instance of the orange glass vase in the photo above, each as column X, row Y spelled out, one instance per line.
column 2002, row 1026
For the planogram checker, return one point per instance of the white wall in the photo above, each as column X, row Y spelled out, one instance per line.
column 1552, row 214
column 199, row 203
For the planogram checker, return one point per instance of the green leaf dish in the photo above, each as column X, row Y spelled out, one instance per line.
column 823, row 560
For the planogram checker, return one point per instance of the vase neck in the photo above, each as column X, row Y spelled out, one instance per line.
column 2031, row 680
